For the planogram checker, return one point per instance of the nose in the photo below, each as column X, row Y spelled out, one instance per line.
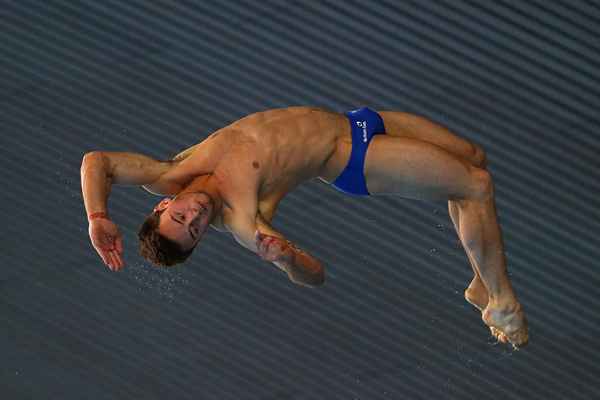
column 193, row 213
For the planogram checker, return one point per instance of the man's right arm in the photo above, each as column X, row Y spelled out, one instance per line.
column 99, row 170
column 95, row 183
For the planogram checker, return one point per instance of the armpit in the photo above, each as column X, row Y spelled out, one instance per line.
column 163, row 186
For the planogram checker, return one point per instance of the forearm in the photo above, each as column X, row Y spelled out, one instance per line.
column 95, row 183
column 304, row 269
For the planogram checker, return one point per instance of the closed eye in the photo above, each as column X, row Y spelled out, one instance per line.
column 181, row 223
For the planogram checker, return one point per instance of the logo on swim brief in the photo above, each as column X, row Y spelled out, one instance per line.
column 363, row 125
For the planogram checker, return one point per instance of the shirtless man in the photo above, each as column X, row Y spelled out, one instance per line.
column 235, row 179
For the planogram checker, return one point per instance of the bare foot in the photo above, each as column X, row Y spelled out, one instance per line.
column 507, row 324
column 477, row 294
column 500, row 337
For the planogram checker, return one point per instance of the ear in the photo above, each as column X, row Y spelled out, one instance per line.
column 162, row 205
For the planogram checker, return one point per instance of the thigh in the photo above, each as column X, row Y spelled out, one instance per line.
column 416, row 127
column 416, row 169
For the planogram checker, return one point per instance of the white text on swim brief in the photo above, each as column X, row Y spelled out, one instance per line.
column 363, row 125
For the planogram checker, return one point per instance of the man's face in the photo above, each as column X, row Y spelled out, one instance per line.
column 185, row 218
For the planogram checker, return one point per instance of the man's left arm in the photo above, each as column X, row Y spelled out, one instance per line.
column 258, row 236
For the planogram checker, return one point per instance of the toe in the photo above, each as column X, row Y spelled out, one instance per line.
column 520, row 339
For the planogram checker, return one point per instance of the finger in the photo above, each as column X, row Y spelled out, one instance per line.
column 110, row 262
column 103, row 255
column 113, row 261
column 118, row 259
column 119, row 263
column 119, row 243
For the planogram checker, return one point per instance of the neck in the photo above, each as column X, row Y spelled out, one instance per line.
column 206, row 184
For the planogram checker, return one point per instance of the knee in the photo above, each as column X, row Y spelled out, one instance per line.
column 482, row 184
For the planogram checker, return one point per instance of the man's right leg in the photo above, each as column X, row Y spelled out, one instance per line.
column 420, row 128
column 416, row 127
column 419, row 170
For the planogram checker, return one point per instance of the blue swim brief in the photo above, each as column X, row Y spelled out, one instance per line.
column 365, row 123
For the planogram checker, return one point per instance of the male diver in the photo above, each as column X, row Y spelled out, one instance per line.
column 234, row 180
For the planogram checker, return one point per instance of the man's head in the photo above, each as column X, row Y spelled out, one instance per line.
column 170, row 234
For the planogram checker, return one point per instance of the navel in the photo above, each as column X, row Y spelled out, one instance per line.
column 255, row 164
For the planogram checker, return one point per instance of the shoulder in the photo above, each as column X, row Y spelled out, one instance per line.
column 202, row 158
column 164, row 186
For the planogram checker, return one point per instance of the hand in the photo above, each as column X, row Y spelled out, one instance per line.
column 108, row 242
column 274, row 249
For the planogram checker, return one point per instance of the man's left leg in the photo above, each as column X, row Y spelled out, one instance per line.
column 412, row 126
column 476, row 293
column 421, row 170
column 482, row 239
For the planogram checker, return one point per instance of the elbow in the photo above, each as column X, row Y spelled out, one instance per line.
column 92, row 157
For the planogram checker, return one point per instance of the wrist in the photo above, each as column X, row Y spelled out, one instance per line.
column 98, row 215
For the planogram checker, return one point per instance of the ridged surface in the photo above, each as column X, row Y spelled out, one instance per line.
column 519, row 78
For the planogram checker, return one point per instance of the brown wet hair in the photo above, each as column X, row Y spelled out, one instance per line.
column 156, row 248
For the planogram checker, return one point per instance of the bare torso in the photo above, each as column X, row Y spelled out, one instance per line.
column 288, row 146
column 294, row 145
